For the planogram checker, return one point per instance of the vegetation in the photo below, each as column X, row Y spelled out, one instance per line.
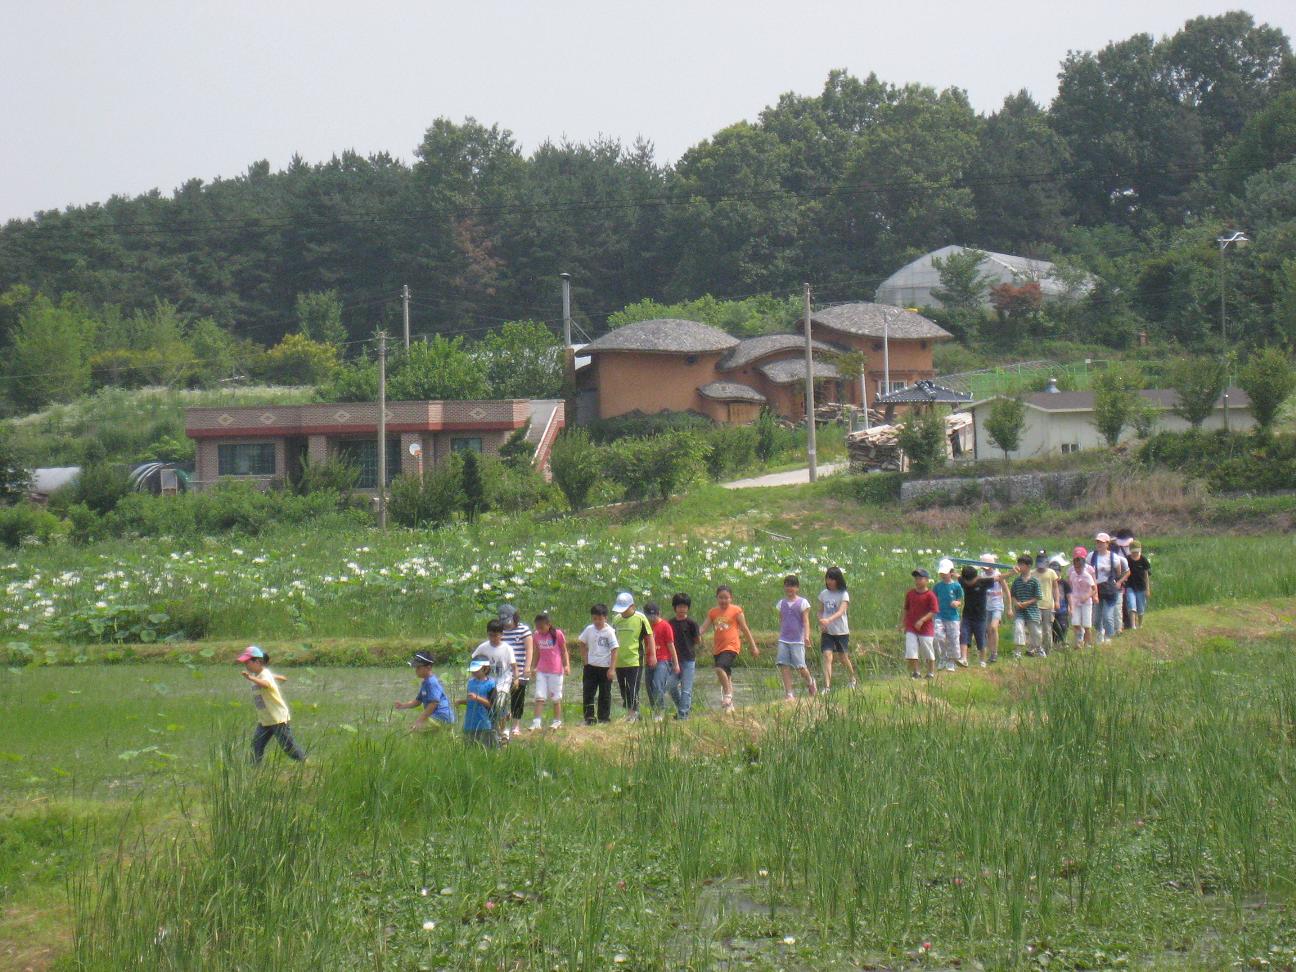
column 1116, row 401
column 923, row 440
column 1199, row 383
column 1005, row 424
column 1269, row 379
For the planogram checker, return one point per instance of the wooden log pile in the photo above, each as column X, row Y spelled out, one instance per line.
column 878, row 449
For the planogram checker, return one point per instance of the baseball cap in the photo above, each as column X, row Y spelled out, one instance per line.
column 987, row 558
column 652, row 610
column 946, row 566
column 1103, row 538
column 1041, row 561
column 1080, row 552
column 507, row 612
column 250, row 652
column 921, row 572
column 1058, row 561
column 477, row 664
column 422, row 658
column 624, row 601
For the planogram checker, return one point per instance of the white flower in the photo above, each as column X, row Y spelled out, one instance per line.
column 429, row 925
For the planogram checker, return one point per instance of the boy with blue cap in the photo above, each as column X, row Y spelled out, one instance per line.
column 272, row 711
column 431, row 696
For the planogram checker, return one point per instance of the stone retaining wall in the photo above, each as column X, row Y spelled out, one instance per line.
column 1063, row 489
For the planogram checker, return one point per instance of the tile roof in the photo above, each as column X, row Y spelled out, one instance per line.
column 665, row 335
column 731, row 391
column 753, row 348
column 787, row 370
column 873, row 320
column 923, row 391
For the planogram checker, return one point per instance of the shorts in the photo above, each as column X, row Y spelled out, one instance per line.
column 725, row 660
column 1082, row 615
column 919, row 647
column 791, row 654
column 549, row 686
column 840, row 644
column 994, row 614
column 1136, row 601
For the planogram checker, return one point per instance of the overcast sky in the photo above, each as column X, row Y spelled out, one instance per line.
column 124, row 97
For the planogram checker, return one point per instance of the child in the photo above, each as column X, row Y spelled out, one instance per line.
column 1025, row 592
column 435, row 702
column 685, row 636
column 949, row 595
column 1061, row 619
column 1138, row 586
column 996, row 599
column 834, row 640
column 272, row 711
column 976, row 588
column 667, row 667
column 635, row 651
column 480, row 704
column 552, row 664
column 520, row 641
column 503, row 671
column 1084, row 596
column 1048, row 582
column 728, row 620
column 794, row 636
column 920, row 609
column 598, row 652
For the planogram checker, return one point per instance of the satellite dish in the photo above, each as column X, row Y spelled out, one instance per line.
column 415, row 450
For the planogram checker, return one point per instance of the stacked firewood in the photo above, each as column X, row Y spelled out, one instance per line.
column 878, row 448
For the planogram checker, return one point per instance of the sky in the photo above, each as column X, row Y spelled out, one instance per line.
column 128, row 96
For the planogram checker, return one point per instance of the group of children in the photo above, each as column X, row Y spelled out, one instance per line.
column 633, row 649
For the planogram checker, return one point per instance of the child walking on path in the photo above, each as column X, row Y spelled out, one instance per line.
column 1139, row 585
column 598, row 651
column 686, row 635
column 431, row 696
column 1048, row 582
column 635, row 651
column 667, row 667
column 996, row 600
column 272, row 711
column 1025, row 599
column 1084, row 597
column 728, row 620
column 834, row 640
column 972, row 627
column 521, row 642
column 794, row 636
column 479, row 726
column 916, row 621
column 503, row 670
column 949, row 595
column 552, row 666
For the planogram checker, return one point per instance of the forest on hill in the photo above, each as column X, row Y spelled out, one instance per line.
column 1150, row 149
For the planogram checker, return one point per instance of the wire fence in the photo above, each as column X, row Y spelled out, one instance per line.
column 1021, row 377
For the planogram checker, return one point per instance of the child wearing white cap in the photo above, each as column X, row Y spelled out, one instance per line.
column 949, row 595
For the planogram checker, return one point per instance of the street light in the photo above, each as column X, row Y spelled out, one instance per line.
column 1239, row 239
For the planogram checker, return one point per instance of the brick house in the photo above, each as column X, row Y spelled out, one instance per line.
column 680, row 366
column 268, row 445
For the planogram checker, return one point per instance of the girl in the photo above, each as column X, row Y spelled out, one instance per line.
column 552, row 664
column 834, row 639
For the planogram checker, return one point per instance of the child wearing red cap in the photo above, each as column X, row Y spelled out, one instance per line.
column 272, row 711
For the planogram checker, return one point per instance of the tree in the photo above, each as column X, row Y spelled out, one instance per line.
column 438, row 369
column 922, row 439
column 15, row 477
column 1005, row 424
column 48, row 359
column 319, row 317
column 1116, row 397
column 576, row 466
column 1269, row 379
column 1199, row 382
column 524, row 359
column 962, row 285
column 517, row 452
column 297, row 360
column 471, row 488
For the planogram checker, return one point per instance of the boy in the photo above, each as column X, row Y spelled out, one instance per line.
column 635, row 651
column 949, row 595
column 976, row 588
column 521, row 642
column 1084, row 596
column 1048, row 582
column 667, row 666
column 685, row 636
column 1025, row 591
column 598, row 652
column 435, row 702
column 997, row 598
column 480, row 704
column 920, row 609
column 272, row 711
column 1138, row 586
column 727, row 619
column 503, row 670
column 552, row 666
column 794, row 636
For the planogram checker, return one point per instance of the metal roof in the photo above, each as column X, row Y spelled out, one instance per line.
column 731, row 391
column 875, row 320
column 924, row 391
column 666, row 335
column 788, row 370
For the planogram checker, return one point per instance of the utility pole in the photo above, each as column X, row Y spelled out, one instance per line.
column 886, row 352
column 809, row 393
column 405, row 299
column 566, row 299
column 382, row 429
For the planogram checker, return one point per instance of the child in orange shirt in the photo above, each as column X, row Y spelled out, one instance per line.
column 728, row 620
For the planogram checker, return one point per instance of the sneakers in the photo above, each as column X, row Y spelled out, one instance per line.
column 983, row 663
column 914, row 675
column 556, row 724
column 658, row 716
column 789, row 697
column 931, row 674
column 632, row 716
column 854, row 684
column 962, row 663
column 536, row 724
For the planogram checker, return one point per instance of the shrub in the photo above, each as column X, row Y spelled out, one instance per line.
column 873, row 489
column 334, row 475
column 100, row 486
column 430, row 502
column 771, row 437
column 923, row 441
column 576, row 466
column 24, row 522
column 640, row 426
column 731, row 449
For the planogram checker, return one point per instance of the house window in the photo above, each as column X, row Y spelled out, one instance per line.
column 363, row 454
column 246, row 459
column 466, row 443
column 1069, row 447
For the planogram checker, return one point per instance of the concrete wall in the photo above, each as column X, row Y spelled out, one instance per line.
column 630, row 381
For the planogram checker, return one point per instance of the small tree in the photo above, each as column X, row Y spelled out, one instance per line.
column 1005, row 425
column 516, row 451
column 474, row 493
column 1269, row 380
column 575, row 465
column 1199, row 383
column 923, row 440
column 319, row 317
column 768, row 435
column 15, row 477
column 297, row 360
column 1116, row 398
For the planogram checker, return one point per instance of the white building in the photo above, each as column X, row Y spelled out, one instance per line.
column 912, row 284
column 1062, row 422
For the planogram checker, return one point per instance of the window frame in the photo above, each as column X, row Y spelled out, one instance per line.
column 226, row 459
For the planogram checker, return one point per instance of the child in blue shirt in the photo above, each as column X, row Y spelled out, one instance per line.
column 478, row 726
column 949, row 595
column 431, row 696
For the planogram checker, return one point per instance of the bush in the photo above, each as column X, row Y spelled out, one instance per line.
column 227, row 508
column 517, row 489
column 923, row 440
column 1228, row 461
column 873, row 489
column 639, row 426
column 100, row 486
column 333, row 475
column 118, row 624
column 576, row 465
column 731, row 449
column 25, row 523
column 428, row 503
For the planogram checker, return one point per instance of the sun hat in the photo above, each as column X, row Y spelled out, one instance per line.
column 1059, row 560
column 421, row 658
column 1103, row 538
column 1080, row 553
column 987, row 558
column 946, row 566
column 250, row 652
column 624, row 601
column 921, row 572
column 478, row 663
